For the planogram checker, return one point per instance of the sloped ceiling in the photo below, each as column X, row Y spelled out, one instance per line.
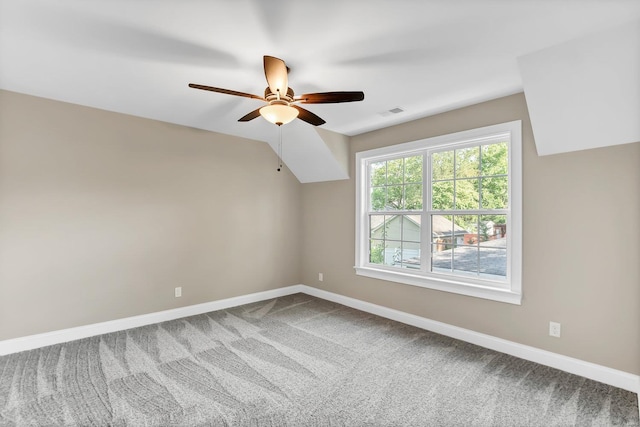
column 585, row 93
column 425, row 57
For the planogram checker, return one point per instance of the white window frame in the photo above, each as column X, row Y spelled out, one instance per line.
column 509, row 291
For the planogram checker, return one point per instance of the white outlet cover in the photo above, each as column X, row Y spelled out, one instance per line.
column 554, row 329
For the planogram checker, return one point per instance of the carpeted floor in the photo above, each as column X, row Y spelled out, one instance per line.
column 294, row 361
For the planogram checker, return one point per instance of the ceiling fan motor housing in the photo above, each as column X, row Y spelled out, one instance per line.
column 270, row 96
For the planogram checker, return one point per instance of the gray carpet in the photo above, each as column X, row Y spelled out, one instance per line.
column 294, row 361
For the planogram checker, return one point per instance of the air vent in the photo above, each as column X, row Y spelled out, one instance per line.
column 391, row 111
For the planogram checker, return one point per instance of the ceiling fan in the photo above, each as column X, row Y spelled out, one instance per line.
column 281, row 102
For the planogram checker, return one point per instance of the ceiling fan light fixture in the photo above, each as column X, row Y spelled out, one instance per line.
column 279, row 114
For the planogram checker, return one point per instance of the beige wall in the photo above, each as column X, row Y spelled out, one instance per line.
column 103, row 214
column 580, row 245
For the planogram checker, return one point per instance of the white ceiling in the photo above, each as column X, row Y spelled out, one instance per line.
column 137, row 56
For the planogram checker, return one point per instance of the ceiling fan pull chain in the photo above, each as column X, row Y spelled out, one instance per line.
column 279, row 147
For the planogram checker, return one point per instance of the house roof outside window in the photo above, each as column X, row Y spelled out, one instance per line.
column 441, row 226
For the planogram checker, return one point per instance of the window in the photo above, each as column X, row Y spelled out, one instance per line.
column 444, row 213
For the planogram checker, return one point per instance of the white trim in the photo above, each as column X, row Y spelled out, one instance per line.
column 446, row 285
column 589, row 370
column 64, row 335
column 614, row 377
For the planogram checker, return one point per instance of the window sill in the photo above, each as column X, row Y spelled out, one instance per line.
column 472, row 290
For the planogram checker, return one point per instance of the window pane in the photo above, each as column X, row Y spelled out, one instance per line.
column 442, row 231
column 378, row 173
column 393, row 227
column 394, row 171
column 411, row 255
column 493, row 261
column 442, row 195
column 413, row 169
column 465, row 259
column 376, row 227
column 465, row 229
column 467, row 194
column 493, row 254
column 494, row 230
column 413, row 196
column 495, row 159
column 442, row 165
column 494, row 193
column 440, row 258
column 378, row 198
column 394, row 197
column 468, row 162
column 376, row 251
column 411, row 228
column 392, row 253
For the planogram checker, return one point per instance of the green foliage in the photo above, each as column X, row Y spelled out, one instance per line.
column 394, row 197
column 378, row 173
column 467, row 162
column 442, row 165
column 442, row 195
column 395, row 171
column 467, row 194
column 495, row 192
column 413, row 196
column 378, row 198
column 495, row 188
column 483, row 231
column 376, row 252
column 397, row 184
column 494, row 159
column 478, row 174
column 413, row 169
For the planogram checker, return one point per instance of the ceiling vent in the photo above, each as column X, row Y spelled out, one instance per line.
column 391, row 111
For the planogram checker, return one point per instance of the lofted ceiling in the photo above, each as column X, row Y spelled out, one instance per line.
column 422, row 57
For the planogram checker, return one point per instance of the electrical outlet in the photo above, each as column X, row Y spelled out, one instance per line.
column 320, row 277
column 554, row 329
column 178, row 292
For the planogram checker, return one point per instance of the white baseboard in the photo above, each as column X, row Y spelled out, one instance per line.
column 64, row 335
column 589, row 370
column 616, row 378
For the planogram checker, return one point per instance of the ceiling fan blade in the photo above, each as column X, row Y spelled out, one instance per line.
column 329, row 97
column 252, row 115
column 275, row 70
column 227, row 91
column 308, row 116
